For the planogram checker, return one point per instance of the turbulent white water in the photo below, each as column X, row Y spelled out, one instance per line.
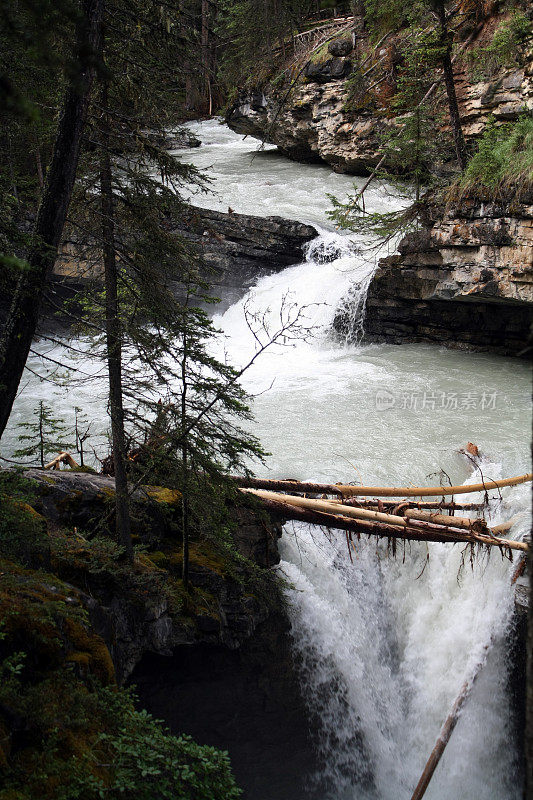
column 384, row 644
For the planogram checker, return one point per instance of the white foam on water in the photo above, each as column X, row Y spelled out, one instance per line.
column 384, row 643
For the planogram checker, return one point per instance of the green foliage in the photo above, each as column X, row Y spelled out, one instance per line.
column 503, row 163
column 382, row 16
column 46, row 435
column 147, row 762
column 252, row 31
column 82, row 737
column 504, row 49
column 23, row 534
column 380, row 227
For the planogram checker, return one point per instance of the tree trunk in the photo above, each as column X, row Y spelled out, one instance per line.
column 184, row 463
column 447, row 68
column 24, row 312
column 41, row 434
column 114, row 346
column 529, row 686
column 448, row 728
column 206, row 65
column 346, row 490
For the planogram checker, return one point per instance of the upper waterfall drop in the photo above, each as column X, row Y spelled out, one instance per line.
column 383, row 644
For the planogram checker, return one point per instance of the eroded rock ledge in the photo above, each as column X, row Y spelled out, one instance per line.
column 465, row 280
column 235, row 249
column 318, row 121
column 240, row 248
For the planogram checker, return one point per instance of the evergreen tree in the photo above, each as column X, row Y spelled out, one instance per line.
column 45, row 435
column 46, row 236
column 82, row 429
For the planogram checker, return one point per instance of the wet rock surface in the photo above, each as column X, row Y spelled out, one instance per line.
column 330, row 70
column 247, row 701
column 237, row 249
column 465, row 280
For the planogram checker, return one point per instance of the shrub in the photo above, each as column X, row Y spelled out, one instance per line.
column 503, row 164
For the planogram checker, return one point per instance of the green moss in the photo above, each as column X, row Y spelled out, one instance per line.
column 83, row 737
column 23, row 532
column 503, row 164
column 47, row 479
column 158, row 558
column 161, row 494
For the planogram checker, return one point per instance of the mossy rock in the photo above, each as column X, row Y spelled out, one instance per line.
column 23, row 533
column 85, row 501
column 45, row 618
column 162, row 494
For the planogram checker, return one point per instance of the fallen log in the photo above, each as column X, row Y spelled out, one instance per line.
column 327, row 506
column 434, row 491
column 443, row 519
column 503, row 527
column 318, row 512
column 420, row 504
column 339, row 522
column 345, row 490
column 287, row 485
column 448, row 728
column 62, row 458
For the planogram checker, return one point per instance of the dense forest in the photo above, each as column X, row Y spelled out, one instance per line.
column 95, row 101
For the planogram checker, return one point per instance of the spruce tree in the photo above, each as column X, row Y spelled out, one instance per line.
column 45, row 435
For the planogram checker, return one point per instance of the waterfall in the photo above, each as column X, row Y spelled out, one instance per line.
column 383, row 650
column 383, row 644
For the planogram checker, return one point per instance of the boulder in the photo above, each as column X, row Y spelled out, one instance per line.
column 341, row 47
column 330, row 70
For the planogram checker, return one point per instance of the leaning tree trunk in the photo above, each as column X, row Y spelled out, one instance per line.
column 449, row 80
column 24, row 312
column 185, row 500
column 529, row 686
column 114, row 346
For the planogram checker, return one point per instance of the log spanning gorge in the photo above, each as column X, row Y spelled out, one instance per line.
column 382, row 643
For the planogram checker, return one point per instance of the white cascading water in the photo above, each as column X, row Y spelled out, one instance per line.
column 385, row 643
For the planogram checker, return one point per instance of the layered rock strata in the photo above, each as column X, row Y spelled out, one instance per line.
column 319, row 119
column 465, row 280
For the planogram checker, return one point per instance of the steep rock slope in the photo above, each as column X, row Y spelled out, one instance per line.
column 465, row 279
column 318, row 119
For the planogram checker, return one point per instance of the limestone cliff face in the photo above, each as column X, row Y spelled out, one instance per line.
column 317, row 120
column 465, row 279
column 311, row 125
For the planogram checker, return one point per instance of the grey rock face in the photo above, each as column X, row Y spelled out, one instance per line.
column 247, row 701
column 341, row 47
column 313, row 122
column 82, row 500
column 465, row 280
column 330, row 70
column 239, row 248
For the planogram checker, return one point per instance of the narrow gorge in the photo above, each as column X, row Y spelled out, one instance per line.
column 290, row 284
column 357, row 678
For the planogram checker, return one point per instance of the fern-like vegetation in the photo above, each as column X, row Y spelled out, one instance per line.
column 503, row 163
